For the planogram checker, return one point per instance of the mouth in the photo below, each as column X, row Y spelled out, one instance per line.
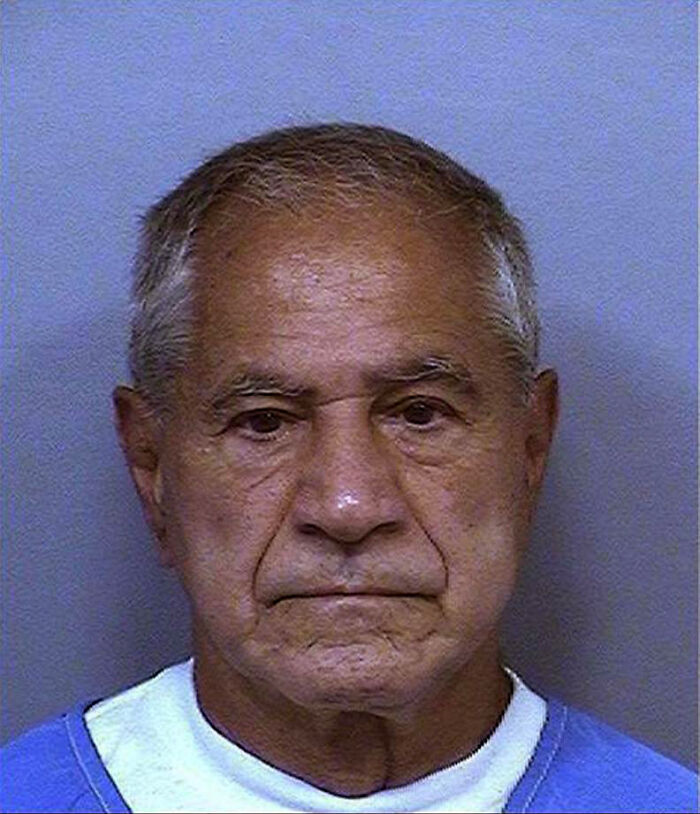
column 348, row 595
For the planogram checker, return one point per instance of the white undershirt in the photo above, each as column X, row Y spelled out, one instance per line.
column 164, row 756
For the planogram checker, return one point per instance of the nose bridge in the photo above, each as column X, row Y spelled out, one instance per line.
column 348, row 486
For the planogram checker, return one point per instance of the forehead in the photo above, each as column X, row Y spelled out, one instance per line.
column 349, row 283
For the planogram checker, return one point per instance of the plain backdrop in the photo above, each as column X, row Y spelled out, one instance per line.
column 581, row 113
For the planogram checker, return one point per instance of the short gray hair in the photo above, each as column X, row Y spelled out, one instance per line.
column 344, row 162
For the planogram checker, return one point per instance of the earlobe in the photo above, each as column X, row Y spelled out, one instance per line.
column 158, row 489
column 139, row 438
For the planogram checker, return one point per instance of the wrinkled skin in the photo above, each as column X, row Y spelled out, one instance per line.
column 348, row 533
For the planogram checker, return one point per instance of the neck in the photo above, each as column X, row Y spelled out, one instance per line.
column 354, row 753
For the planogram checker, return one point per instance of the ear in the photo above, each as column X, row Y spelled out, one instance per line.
column 543, row 412
column 140, row 440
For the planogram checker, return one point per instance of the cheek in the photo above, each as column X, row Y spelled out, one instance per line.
column 474, row 514
column 219, row 524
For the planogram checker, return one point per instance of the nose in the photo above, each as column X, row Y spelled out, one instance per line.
column 348, row 488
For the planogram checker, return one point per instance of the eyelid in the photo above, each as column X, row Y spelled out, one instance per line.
column 260, row 410
column 238, row 420
column 431, row 401
column 284, row 415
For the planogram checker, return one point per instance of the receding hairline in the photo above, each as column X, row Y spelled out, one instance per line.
column 236, row 220
column 288, row 167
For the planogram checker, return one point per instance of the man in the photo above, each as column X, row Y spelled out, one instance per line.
column 338, row 431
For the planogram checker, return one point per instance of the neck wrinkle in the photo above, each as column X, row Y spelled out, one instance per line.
column 354, row 753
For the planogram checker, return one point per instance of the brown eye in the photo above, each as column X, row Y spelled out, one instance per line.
column 263, row 422
column 419, row 413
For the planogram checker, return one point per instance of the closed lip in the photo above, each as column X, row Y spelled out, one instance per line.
column 350, row 593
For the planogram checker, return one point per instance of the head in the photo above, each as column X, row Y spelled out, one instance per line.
column 337, row 428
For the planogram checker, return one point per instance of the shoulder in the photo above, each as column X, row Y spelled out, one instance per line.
column 582, row 764
column 54, row 767
column 57, row 766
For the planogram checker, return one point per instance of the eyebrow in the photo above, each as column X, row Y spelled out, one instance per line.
column 253, row 381
column 259, row 381
column 432, row 367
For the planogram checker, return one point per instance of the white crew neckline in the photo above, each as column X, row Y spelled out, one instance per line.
column 164, row 755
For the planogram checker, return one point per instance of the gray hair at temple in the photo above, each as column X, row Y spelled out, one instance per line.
column 291, row 167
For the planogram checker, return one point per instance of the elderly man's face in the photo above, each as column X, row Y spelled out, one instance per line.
column 346, row 483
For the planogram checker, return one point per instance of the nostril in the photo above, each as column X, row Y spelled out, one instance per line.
column 349, row 534
column 309, row 528
column 390, row 527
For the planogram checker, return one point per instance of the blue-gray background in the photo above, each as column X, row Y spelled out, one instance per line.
column 581, row 113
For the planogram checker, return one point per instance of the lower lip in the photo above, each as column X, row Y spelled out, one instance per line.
column 342, row 618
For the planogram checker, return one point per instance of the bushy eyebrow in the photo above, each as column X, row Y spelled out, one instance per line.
column 258, row 381
column 425, row 368
column 253, row 381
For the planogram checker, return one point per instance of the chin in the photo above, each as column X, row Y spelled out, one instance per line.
column 355, row 677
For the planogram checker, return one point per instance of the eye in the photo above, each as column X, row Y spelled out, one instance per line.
column 422, row 414
column 261, row 424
